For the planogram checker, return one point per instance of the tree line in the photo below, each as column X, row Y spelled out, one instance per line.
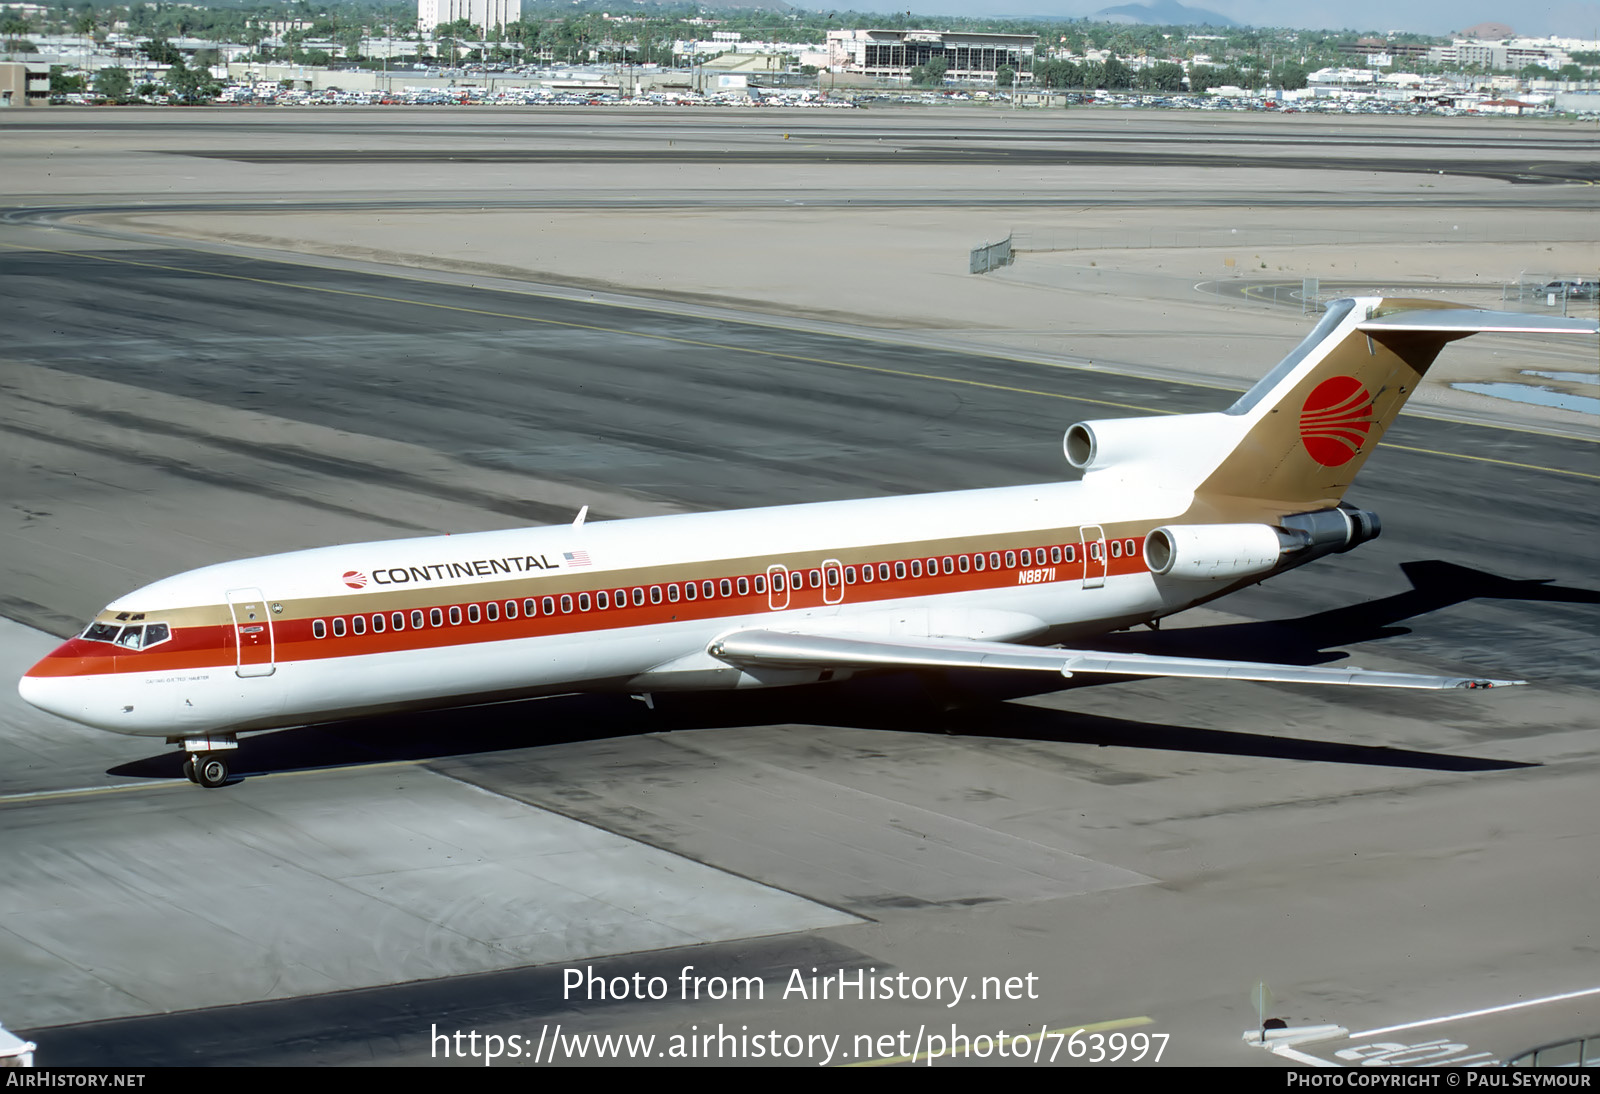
column 1113, row 74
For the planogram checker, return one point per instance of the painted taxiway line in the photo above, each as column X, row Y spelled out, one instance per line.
column 1477, row 1013
column 168, row 784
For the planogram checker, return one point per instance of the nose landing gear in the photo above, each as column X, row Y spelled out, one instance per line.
column 207, row 769
column 206, row 764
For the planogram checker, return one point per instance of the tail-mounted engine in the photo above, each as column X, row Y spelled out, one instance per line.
column 1127, row 442
column 1227, row 552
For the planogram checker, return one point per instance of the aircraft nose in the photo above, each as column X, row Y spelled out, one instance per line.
column 45, row 693
column 61, row 683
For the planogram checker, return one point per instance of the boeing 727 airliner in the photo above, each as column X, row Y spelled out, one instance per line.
column 1170, row 512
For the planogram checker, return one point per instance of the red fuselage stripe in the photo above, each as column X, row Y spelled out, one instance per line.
column 206, row 647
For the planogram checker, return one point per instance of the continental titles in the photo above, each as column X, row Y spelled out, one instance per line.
column 444, row 571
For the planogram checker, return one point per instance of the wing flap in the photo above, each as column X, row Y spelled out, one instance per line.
column 777, row 649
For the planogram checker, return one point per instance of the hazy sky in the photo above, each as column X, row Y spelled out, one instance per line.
column 1571, row 18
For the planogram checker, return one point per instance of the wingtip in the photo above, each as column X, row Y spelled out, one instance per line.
column 1476, row 684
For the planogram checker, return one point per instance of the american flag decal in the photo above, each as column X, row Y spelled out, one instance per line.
column 576, row 558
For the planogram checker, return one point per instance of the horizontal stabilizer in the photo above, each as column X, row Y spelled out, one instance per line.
column 776, row 649
column 1465, row 321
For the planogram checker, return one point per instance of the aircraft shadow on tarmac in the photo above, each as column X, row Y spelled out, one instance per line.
column 967, row 703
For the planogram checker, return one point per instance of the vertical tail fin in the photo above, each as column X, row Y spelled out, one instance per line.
column 1311, row 423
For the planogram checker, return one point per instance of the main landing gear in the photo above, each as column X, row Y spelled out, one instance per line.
column 206, row 764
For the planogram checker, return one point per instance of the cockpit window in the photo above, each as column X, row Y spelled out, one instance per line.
column 140, row 637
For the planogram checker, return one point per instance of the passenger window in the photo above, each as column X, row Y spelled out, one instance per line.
column 600, row 599
column 725, row 587
column 797, row 579
column 1011, row 560
column 319, row 629
column 655, row 594
column 511, row 609
column 583, row 601
column 358, row 625
column 1116, row 548
column 1027, row 558
column 744, row 586
column 950, row 565
column 833, row 576
column 964, row 563
column 672, row 593
column 1055, row 555
column 416, row 620
column 546, row 605
column 866, row 573
column 638, row 597
column 777, row 582
column 849, row 575
column 994, row 560
column 472, row 613
column 455, row 615
column 690, row 590
column 338, row 627
column 761, row 583
column 978, row 563
column 619, row 598
column 900, row 570
column 816, row 579
column 1128, row 548
column 707, row 590
column 566, row 603
column 377, row 623
column 491, row 611
column 397, row 621
column 883, row 571
column 1072, row 552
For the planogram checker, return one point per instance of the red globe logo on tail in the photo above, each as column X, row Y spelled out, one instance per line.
column 1335, row 420
column 355, row 579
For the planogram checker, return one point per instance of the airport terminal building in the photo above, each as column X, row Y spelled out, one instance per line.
column 893, row 53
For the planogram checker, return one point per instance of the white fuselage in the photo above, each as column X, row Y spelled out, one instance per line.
column 1071, row 584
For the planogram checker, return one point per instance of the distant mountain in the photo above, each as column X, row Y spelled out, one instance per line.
column 1162, row 13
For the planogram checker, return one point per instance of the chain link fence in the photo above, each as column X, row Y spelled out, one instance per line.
column 1127, row 237
column 991, row 256
column 1572, row 295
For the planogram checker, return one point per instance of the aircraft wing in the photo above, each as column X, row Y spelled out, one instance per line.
column 780, row 650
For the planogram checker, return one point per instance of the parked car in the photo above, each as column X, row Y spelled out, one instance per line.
column 1574, row 289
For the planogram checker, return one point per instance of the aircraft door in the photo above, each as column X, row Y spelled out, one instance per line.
column 832, row 581
column 777, row 587
column 252, row 632
column 1094, row 556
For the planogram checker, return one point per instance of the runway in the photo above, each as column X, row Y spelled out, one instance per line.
column 1149, row 851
